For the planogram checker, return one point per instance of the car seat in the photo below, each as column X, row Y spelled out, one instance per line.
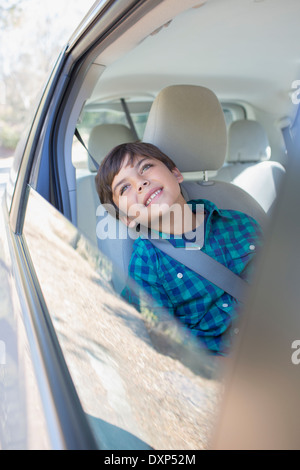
column 102, row 139
column 187, row 123
column 248, row 165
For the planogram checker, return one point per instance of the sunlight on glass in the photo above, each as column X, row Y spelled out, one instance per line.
column 32, row 34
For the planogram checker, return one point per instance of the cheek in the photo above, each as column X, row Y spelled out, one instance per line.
column 125, row 203
column 122, row 204
column 170, row 180
column 116, row 201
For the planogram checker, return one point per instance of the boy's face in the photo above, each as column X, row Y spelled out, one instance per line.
column 146, row 191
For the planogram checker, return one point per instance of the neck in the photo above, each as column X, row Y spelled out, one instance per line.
column 179, row 220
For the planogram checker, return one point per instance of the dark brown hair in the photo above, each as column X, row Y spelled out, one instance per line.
column 113, row 161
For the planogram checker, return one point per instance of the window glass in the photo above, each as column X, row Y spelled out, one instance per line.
column 106, row 115
column 140, row 387
column 228, row 116
column 233, row 112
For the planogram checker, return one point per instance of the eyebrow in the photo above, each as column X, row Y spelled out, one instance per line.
column 136, row 166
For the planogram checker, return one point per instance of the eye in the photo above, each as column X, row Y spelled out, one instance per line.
column 145, row 167
column 123, row 189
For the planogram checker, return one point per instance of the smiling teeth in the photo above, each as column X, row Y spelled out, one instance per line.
column 152, row 197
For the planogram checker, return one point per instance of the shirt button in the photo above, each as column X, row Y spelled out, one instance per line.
column 252, row 247
column 236, row 331
column 180, row 275
column 225, row 305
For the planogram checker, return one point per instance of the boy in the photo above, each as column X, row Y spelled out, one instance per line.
column 143, row 186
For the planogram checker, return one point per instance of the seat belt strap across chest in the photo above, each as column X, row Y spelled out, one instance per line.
column 207, row 267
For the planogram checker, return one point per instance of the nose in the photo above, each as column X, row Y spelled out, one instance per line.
column 142, row 185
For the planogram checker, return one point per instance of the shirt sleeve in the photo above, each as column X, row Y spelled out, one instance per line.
column 144, row 289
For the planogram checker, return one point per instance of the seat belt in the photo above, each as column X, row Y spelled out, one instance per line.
column 207, row 267
column 129, row 119
column 77, row 134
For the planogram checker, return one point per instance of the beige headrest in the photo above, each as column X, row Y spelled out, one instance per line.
column 187, row 123
column 104, row 138
column 247, row 142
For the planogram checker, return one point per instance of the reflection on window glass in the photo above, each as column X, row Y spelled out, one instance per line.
column 140, row 386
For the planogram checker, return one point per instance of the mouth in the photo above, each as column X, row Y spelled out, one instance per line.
column 151, row 196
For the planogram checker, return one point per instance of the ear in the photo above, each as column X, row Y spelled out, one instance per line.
column 177, row 175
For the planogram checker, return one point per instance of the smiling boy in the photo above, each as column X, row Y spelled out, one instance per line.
column 143, row 186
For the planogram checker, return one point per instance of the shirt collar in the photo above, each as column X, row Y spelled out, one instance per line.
column 179, row 241
column 209, row 206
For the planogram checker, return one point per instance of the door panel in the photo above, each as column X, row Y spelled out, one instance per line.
column 22, row 424
column 133, row 394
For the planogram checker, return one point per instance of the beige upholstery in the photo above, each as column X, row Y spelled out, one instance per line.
column 247, row 142
column 187, row 123
column 248, row 165
column 102, row 139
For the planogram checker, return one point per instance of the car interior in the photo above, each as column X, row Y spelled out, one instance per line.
column 209, row 82
column 218, row 124
column 176, row 124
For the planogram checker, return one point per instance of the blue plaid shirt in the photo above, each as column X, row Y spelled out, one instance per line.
column 232, row 238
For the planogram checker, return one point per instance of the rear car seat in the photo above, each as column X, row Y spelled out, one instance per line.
column 187, row 123
column 102, row 139
column 248, row 165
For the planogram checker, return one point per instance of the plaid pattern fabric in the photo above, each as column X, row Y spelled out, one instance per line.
column 232, row 238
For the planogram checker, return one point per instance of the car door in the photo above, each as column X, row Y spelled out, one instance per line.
column 80, row 369
column 87, row 373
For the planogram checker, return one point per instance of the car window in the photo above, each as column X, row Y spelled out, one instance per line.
column 106, row 114
column 140, row 387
